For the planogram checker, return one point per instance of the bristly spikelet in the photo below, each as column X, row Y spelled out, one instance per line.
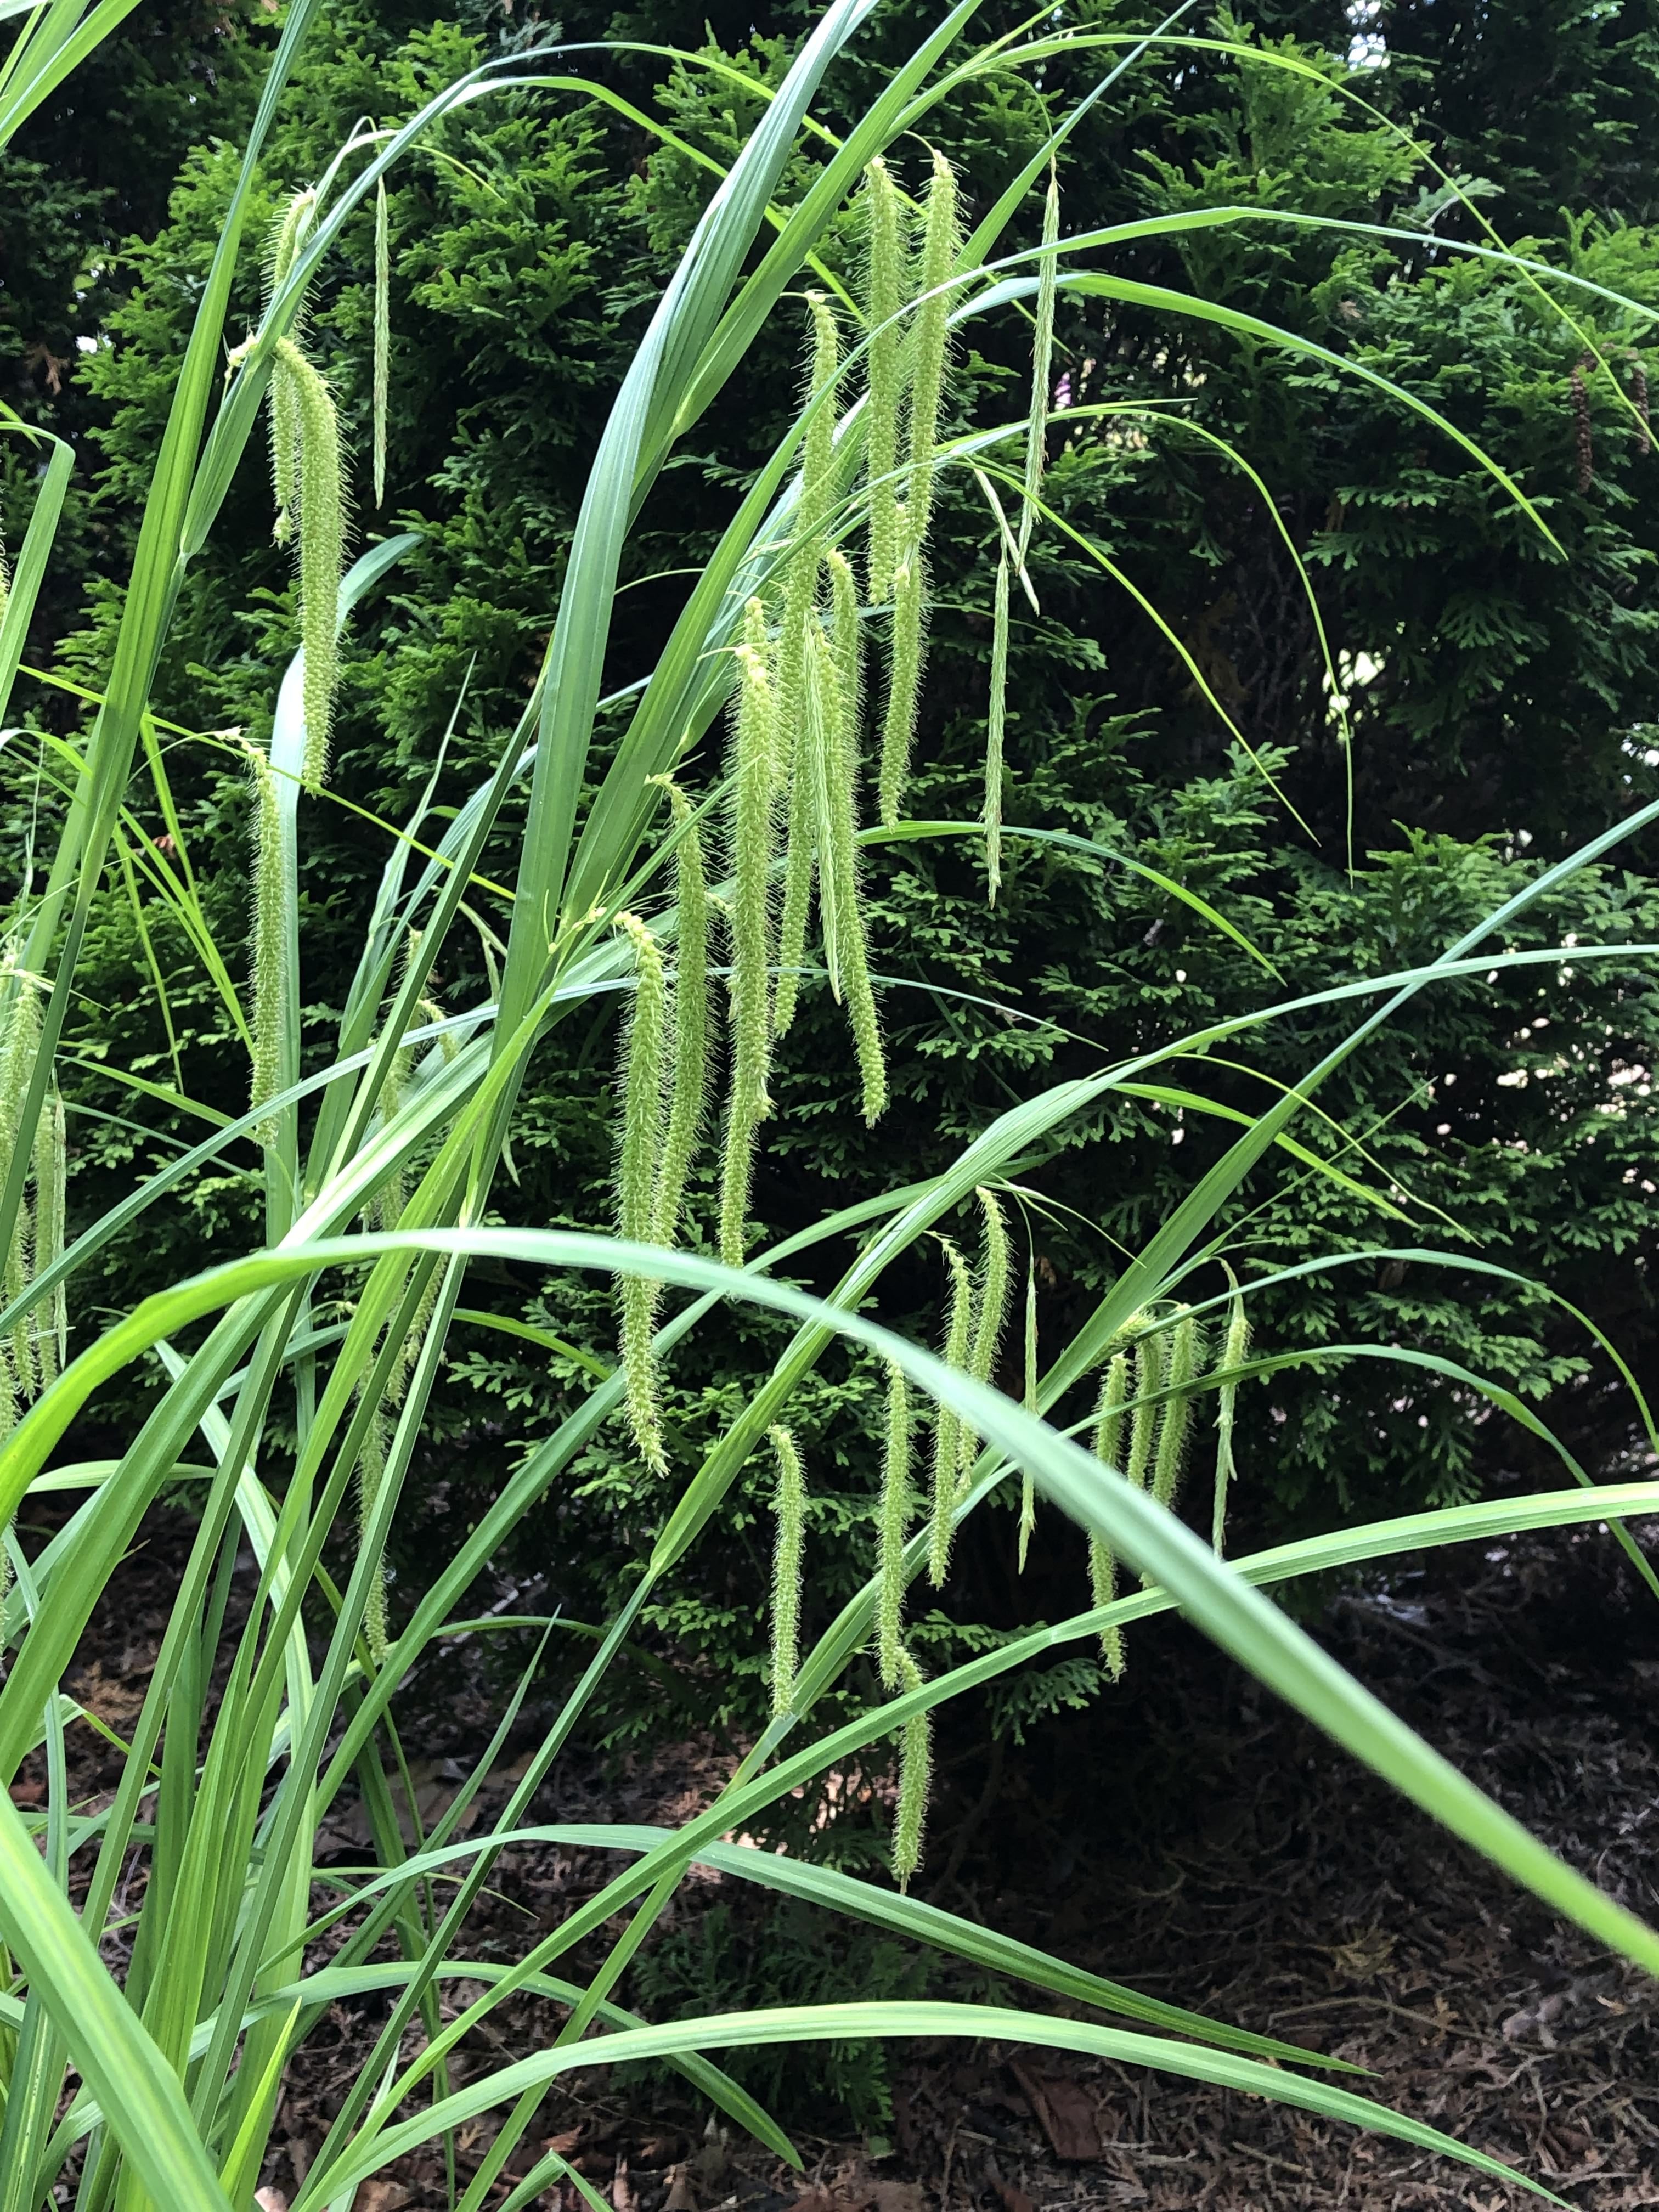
column 288, row 234
column 903, row 674
column 1028, row 1485
column 840, row 890
column 1043, row 353
column 812, row 505
column 636, row 1170
column 1148, row 1353
column 371, row 1473
column 800, row 856
column 267, row 942
column 996, row 719
column 895, row 1530
column 789, row 1507
column 1235, row 1351
column 689, row 1060
column 1185, row 1355
column 884, row 273
column 322, row 549
column 941, row 242
column 990, row 1302
column 382, row 335
column 916, row 1782
column 947, row 1425
column 20, row 1043
column 753, row 823
column 50, row 1165
column 1109, row 1450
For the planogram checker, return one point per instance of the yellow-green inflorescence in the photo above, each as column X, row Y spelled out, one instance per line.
column 947, row 1425
column 930, row 347
column 322, row 545
column 34, row 1352
column 789, row 1511
column 885, row 272
column 896, row 1505
column 687, row 1073
column 267, row 945
column 753, row 819
column 915, row 1780
column 636, row 1171
column 382, row 335
column 1109, row 1450
column 1235, row 1351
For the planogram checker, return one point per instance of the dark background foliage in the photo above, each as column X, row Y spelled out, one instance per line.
column 1497, row 693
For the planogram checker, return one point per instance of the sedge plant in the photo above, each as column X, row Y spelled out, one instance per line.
column 775, row 731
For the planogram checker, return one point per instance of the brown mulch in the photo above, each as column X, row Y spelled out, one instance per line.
column 1187, row 1836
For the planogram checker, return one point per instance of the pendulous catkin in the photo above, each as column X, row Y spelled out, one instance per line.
column 1144, row 1419
column 382, row 335
column 789, row 1509
column 1235, row 1351
column 688, row 1105
column 930, row 359
column 1027, row 1486
column 947, row 1425
column 840, row 889
column 371, row 1473
column 636, row 1170
column 990, row 1307
column 1186, row 1354
column 268, row 947
column 895, row 1530
column 20, row 1042
column 51, row 1166
column 753, row 829
column 1042, row 355
column 288, row 234
column 812, row 506
column 884, row 273
column 1109, row 1450
column 996, row 719
column 1583, row 439
column 322, row 546
column 915, row 1780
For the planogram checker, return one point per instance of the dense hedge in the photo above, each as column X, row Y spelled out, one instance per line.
column 1496, row 693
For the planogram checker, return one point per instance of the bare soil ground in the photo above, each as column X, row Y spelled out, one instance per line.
column 1190, row 1837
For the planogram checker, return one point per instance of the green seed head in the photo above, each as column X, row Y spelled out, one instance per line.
column 789, row 1507
column 903, row 674
column 322, row 546
column 1043, row 353
column 915, row 1783
column 371, row 1473
column 51, row 1166
column 1235, row 1351
column 896, row 1509
column 1109, row 1450
column 688, row 1058
column 382, row 336
column 753, row 830
column 636, row 1168
column 995, row 725
column 1144, row 1420
column 268, row 942
column 20, row 1007
column 1185, row 1358
column 288, row 234
column 941, row 243
column 884, row 283
column 947, row 1425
